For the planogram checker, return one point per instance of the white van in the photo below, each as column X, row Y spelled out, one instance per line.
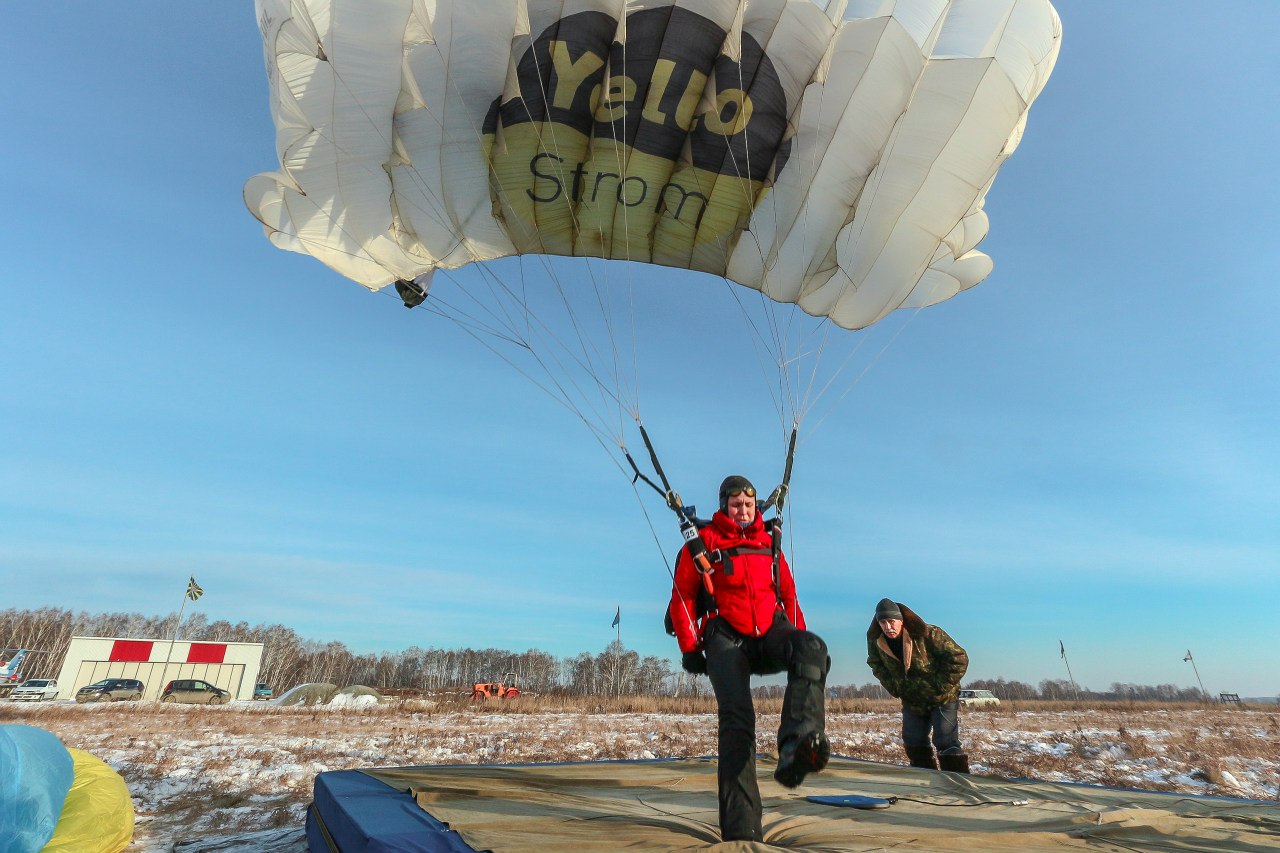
column 978, row 699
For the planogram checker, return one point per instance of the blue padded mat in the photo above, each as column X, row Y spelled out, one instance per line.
column 852, row 801
column 359, row 814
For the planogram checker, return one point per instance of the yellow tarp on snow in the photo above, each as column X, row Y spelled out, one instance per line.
column 671, row 806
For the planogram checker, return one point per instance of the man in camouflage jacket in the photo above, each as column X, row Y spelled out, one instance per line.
column 921, row 665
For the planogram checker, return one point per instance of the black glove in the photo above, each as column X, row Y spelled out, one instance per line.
column 694, row 663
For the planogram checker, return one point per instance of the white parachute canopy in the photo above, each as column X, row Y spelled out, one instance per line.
column 836, row 159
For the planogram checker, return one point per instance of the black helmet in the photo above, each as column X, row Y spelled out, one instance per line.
column 734, row 484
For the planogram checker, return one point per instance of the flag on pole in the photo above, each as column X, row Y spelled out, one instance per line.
column 193, row 589
column 617, row 617
column 1062, row 650
column 1188, row 657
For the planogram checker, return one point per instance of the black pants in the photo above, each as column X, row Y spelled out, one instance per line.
column 731, row 661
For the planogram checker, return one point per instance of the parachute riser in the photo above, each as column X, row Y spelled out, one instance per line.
column 688, row 529
column 689, row 526
column 777, row 500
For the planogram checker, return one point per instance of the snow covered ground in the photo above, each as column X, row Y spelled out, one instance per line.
column 239, row 777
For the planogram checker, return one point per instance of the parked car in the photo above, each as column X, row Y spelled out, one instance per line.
column 193, row 690
column 978, row 699
column 37, row 689
column 111, row 690
column 262, row 690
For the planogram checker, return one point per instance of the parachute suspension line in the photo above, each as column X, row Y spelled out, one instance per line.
column 436, row 307
column 588, row 364
column 554, row 389
column 812, row 162
column 788, row 365
column 553, row 385
column 589, row 355
column 770, row 342
column 867, row 369
column 653, row 532
column 473, row 325
column 786, row 401
column 601, row 292
column 619, row 152
column 586, row 359
column 585, row 362
column 788, row 405
column 631, row 405
column 810, row 397
column 778, row 351
column 469, row 323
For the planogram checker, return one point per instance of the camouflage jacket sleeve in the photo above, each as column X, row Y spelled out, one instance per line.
column 888, row 679
column 952, row 660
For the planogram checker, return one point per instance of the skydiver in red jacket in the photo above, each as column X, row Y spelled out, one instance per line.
column 755, row 626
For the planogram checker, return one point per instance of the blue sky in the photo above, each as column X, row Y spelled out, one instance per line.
column 1082, row 448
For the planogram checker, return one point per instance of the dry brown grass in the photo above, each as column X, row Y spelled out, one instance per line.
column 254, row 764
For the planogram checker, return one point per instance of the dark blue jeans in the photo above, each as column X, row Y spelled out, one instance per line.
column 945, row 723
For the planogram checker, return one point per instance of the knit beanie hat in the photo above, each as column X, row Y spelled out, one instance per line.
column 887, row 609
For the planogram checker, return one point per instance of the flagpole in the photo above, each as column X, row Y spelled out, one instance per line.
column 619, row 624
column 1197, row 672
column 193, row 592
column 164, row 672
column 1074, row 686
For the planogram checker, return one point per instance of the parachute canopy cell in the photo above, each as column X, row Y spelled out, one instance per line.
column 38, row 772
column 836, row 158
column 56, row 799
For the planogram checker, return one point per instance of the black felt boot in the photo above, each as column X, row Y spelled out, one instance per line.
column 956, row 762
column 921, row 756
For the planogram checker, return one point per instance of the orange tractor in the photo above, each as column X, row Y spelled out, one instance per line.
column 483, row 691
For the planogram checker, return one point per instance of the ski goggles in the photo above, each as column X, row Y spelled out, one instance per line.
column 749, row 491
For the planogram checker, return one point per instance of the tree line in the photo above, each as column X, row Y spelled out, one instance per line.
column 288, row 660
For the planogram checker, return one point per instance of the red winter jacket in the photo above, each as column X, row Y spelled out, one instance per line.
column 745, row 596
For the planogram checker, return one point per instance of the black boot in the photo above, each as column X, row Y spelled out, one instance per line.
column 921, row 756
column 956, row 762
column 802, row 747
column 801, row 756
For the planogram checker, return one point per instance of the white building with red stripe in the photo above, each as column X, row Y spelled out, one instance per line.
column 231, row 666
